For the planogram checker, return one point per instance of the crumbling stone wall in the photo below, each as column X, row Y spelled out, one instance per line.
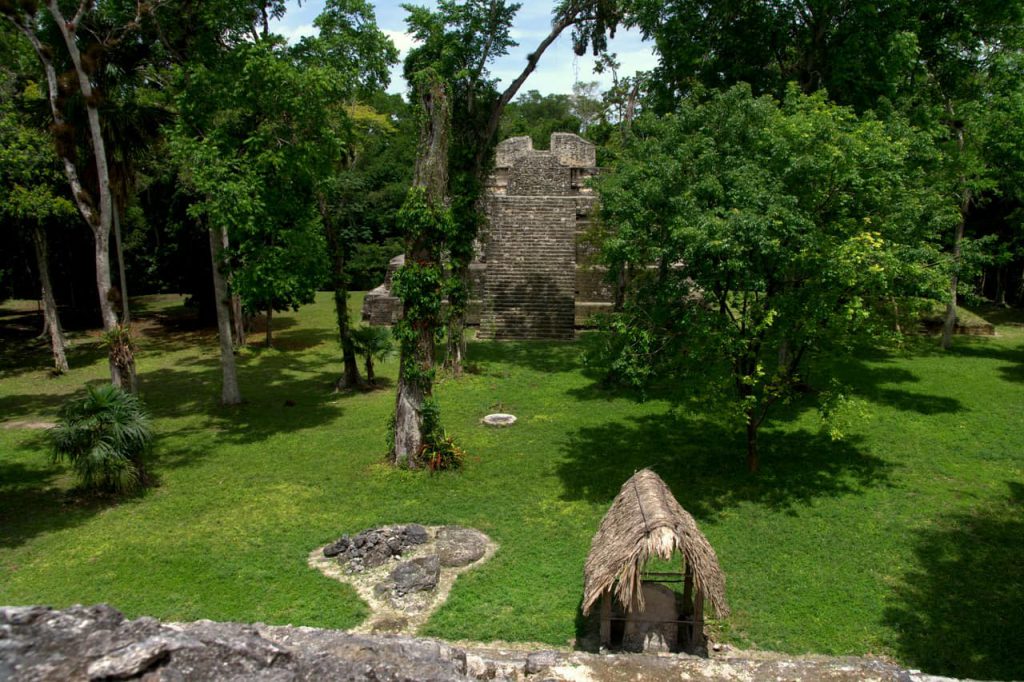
column 98, row 643
column 533, row 277
column 531, row 268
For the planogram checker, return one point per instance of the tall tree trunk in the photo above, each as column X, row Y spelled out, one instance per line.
column 950, row 321
column 237, row 316
column 455, row 351
column 1000, row 287
column 417, row 354
column 350, row 373
column 270, row 319
column 370, row 377
column 752, row 456
column 456, row 327
column 238, row 322
column 125, row 313
column 965, row 205
column 229, row 393
column 57, row 342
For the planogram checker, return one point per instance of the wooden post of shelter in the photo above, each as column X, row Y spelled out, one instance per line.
column 606, row 620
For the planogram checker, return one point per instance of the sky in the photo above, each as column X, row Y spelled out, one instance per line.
column 558, row 69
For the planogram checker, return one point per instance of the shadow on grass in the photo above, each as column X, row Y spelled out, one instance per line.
column 960, row 612
column 22, row 354
column 539, row 356
column 282, row 393
column 1014, row 357
column 704, row 464
column 17, row 406
column 32, row 502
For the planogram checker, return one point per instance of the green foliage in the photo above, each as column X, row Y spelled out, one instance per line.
column 863, row 54
column 420, row 219
column 103, row 436
column 368, row 263
column 31, row 185
column 374, row 342
column 538, row 116
column 774, row 230
column 357, row 53
column 439, row 451
column 252, row 142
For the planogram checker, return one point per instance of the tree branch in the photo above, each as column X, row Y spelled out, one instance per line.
column 83, row 7
column 531, row 63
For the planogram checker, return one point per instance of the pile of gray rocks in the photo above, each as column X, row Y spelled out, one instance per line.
column 375, row 547
column 416, row 554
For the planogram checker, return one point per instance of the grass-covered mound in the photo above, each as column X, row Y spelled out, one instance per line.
column 904, row 539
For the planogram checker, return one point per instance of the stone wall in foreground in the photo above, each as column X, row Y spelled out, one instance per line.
column 98, row 643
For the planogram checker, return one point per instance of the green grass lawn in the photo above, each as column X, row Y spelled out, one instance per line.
column 906, row 539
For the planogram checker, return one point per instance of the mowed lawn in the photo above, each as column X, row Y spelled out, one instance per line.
column 905, row 539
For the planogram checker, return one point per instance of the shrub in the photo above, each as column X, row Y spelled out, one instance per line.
column 373, row 343
column 103, row 437
column 441, row 453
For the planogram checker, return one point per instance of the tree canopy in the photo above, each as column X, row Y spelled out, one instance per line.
column 758, row 233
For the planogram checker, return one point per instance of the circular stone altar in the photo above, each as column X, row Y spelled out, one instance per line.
column 403, row 572
column 500, row 419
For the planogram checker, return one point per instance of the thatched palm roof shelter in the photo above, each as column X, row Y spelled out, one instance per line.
column 645, row 521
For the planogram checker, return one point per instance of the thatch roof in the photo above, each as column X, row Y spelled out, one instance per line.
column 646, row 521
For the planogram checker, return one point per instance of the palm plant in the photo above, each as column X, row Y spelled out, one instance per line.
column 103, row 437
column 373, row 343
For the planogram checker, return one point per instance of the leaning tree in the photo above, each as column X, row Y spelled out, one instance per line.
column 461, row 110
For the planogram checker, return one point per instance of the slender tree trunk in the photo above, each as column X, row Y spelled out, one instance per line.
column 965, row 205
column 1000, row 287
column 417, row 355
column 125, row 313
column 120, row 357
column 229, row 393
column 270, row 318
column 237, row 316
column 950, row 321
column 350, row 374
column 52, row 325
column 621, row 282
column 121, row 361
column 752, row 455
column 455, row 353
column 238, row 324
column 370, row 377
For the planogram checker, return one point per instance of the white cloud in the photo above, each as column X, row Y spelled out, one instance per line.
column 402, row 40
column 294, row 34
